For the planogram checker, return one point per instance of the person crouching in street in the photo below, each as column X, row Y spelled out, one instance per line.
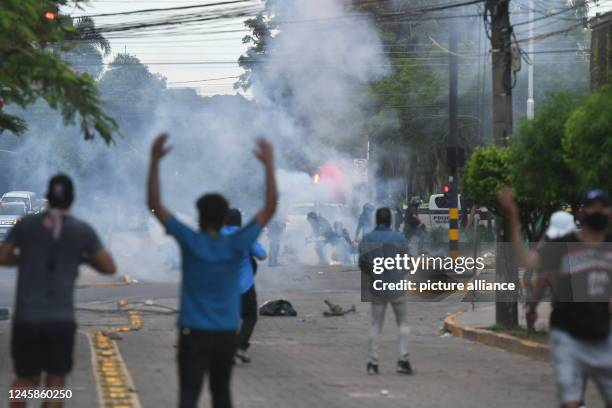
column 384, row 242
column 51, row 247
column 248, row 296
column 209, row 315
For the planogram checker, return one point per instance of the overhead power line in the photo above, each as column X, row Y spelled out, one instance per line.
column 544, row 17
column 155, row 10
column 203, row 80
column 551, row 33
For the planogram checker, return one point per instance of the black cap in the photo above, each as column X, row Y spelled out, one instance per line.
column 61, row 192
column 598, row 194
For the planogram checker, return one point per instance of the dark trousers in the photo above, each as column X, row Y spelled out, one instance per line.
column 201, row 352
column 249, row 318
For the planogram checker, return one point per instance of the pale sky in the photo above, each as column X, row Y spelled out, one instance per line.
column 189, row 52
column 184, row 52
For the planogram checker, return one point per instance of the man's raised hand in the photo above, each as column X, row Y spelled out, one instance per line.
column 264, row 152
column 505, row 196
column 159, row 148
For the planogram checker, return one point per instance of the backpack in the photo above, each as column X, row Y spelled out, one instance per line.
column 278, row 307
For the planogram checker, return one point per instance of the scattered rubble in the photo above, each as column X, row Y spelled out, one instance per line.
column 337, row 310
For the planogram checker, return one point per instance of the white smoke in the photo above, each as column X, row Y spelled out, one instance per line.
column 311, row 90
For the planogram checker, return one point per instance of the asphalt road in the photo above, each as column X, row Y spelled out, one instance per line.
column 315, row 361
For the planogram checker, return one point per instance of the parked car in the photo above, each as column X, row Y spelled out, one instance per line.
column 26, row 197
column 10, row 214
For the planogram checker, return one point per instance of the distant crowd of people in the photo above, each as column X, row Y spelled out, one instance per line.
column 337, row 237
column 218, row 299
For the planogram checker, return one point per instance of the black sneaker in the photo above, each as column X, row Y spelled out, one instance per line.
column 403, row 367
column 372, row 368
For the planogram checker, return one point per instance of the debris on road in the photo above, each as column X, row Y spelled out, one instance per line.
column 337, row 310
column 278, row 307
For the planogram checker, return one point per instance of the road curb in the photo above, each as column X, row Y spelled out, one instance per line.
column 503, row 341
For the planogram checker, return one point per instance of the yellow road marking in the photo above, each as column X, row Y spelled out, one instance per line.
column 127, row 280
column 113, row 380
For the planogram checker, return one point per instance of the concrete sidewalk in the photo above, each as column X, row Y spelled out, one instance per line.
column 483, row 316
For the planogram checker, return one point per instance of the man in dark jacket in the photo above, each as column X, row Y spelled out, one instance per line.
column 383, row 242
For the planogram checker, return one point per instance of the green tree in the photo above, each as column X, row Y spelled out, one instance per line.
column 131, row 92
column 29, row 69
column 261, row 27
column 534, row 165
column 412, row 129
column 587, row 144
column 412, row 126
column 538, row 170
column 87, row 47
column 485, row 172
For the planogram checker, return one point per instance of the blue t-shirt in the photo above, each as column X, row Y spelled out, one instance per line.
column 210, row 290
column 247, row 276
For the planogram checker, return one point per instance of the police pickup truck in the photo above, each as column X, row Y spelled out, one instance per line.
column 434, row 214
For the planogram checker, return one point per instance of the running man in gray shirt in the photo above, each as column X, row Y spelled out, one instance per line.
column 47, row 249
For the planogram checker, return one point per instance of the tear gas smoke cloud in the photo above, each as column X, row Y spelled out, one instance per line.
column 309, row 90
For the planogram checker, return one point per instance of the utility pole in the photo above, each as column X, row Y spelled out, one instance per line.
column 501, row 50
column 530, row 100
column 452, row 156
column 506, row 309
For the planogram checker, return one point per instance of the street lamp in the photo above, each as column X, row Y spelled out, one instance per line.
column 530, row 68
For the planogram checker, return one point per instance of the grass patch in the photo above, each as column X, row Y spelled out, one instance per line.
column 521, row 332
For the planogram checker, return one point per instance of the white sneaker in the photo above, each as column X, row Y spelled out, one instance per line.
column 242, row 357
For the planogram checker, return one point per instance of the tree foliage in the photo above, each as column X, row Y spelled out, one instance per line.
column 484, row 173
column 551, row 160
column 414, row 98
column 587, row 145
column 131, row 91
column 411, row 135
column 87, row 47
column 536, row 154
column 261, row 28
column 85, row 31
column 538, row 172
column 30, row 33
